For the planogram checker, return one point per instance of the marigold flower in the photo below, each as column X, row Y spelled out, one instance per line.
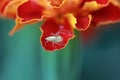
column 60, row 17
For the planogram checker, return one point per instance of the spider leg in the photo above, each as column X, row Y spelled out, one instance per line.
column 46, row 43
column 61, row 43
column 63, row 31
column 54, row 45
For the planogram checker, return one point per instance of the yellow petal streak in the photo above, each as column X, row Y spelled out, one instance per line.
column 72, row 20
column 91, row 6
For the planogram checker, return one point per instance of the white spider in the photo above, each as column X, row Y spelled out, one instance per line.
column 56, row 38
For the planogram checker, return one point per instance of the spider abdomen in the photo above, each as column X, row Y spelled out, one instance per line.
column 54, row 39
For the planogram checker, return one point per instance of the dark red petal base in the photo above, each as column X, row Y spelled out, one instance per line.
column 83, row 22
column 109, row 13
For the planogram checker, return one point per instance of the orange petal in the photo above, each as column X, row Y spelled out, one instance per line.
column 17, row 26
column 56, row 2
column 68, row 6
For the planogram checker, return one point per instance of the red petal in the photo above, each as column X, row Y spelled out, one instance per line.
column 30, row 10
column 110, row 13
column 83, row 22
column 52, row 28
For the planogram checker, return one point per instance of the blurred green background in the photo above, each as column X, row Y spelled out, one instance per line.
column 22, row 57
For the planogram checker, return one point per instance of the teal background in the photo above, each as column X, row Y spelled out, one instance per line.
column 22, row 57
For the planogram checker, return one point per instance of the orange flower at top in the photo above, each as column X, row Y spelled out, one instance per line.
column 60, row 17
